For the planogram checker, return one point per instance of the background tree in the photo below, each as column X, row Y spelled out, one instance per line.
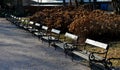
column 18, row 4
column 5, row 3
column 70, row 2
column 116, row 6
column 1, row 3
column 94, row 4
column 76, row 3
column 64, row 2
column 81, row 1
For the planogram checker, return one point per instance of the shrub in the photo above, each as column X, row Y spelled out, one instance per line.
column 97, row 24
column 94, row 24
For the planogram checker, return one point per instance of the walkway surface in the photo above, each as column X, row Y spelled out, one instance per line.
column 19, row 50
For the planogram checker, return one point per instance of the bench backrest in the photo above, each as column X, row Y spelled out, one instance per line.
column 37, row 24
column 22, row 20
column 14, row 17
column 26, row 21
column 19, row 18
column 31, row 22
column 55, row 31
column 45, row 28
column 96, row 43
column 11, row 15
column 72, row 36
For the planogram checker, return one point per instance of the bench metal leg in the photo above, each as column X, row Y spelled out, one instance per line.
column 72, row 56
column 49, row 44
column 65, row 51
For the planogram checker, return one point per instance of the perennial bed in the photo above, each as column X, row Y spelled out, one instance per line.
column 97, row 24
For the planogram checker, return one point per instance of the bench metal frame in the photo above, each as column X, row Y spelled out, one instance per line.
column 68, row 47
column 93, row 59
column 35, row 28
column 30, row 25
column 42, row 31
column 52, row 37
column 92, row 56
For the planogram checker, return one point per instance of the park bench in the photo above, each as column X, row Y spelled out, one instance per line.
column 8, row 17
column 69, row 44
column 18, row 21
column 21, row 22
column 42, row 31
column 35, row 28
column 28, row 25
column 15, row 20
column 52, row 37
column 11, row 19
column 94, row 57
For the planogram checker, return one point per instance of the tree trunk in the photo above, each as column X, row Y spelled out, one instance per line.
column 64, row 2
column 19, row 7
column 1, row 3
column 116, row 6
column 76, row 3
column 70, row 2
column 90, row 5
column 94, row 4
column 81, row 1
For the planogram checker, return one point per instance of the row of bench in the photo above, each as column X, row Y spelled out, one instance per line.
column 69, row 43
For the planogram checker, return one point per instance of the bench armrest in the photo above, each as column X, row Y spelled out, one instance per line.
column 93, row 56
column 79, row 44
column 98, row 52
column 113, row 58
column 68, row 46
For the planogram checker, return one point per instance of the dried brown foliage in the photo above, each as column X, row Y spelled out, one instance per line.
column 57, row 17
column 97, row 23
column 80, row 21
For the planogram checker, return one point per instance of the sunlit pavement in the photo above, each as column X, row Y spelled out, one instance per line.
column 20, row 50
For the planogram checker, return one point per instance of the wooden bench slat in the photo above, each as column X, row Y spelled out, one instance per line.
column 96, row 43
column 81, row 54
column 85, row 55
column 19, row 18
column 42, row 31
column 31, row 22
column 55, row 31
column 45, row 27
column 72, row 36
column 51, row 38
column 61, row 45
column 22, row 20
column 37, row 24
column 66, row 45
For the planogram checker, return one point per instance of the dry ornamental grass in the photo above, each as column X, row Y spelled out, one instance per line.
column 96, row 24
